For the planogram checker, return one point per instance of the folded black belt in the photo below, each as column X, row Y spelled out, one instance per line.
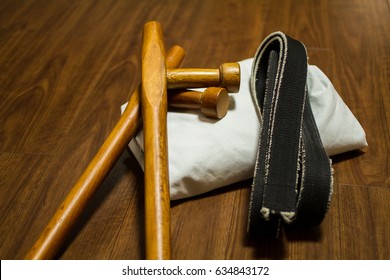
column 293, row 174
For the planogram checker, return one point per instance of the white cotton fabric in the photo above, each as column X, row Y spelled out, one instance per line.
column 205, row 154
column 340, row 131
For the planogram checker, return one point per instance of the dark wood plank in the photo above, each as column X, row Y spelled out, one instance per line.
column 22, row 196
column 361, row 73
column 113, row 225
column 306, row 21
column 363, row 214
column 195, row 236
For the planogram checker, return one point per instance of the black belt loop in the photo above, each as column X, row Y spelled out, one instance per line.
column 293, row 174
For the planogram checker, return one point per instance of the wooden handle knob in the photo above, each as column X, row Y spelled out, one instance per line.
column 227, row 76
column 213, row 102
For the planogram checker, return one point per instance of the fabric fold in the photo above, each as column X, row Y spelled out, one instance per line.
column 206, row 154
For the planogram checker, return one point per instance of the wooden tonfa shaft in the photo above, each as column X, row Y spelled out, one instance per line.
column 154, row 110
column 60, row 225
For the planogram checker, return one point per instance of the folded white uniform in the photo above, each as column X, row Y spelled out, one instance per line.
column 205, row 154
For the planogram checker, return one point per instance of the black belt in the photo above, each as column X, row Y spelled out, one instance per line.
column 293, row 174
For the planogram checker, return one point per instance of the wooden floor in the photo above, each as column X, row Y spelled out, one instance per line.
column 66, row 66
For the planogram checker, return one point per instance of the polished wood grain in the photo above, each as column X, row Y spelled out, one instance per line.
column 67, row 214
column 227, row 76
column 154, row 111
column 67, row 66
column 213, row 102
